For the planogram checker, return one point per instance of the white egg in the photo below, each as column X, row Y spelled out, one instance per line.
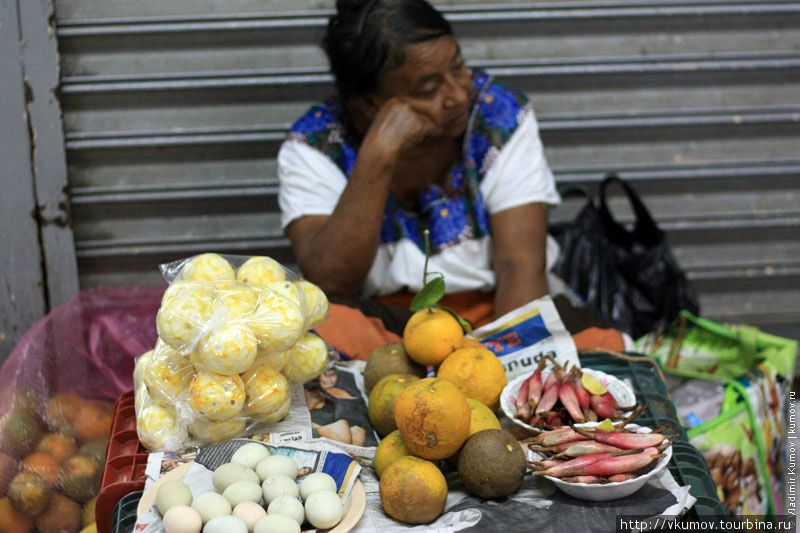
column 278, row 485
column 242, row 491
column 210, row 505
column 324, row 509
column 225, row 524
column 277, row 464
column 250, row 513
column 171, row 493
column 277, row 523
column 250, row 454
column 289, row 506
column 316, row 482
column 182, row 519
column 229, row 473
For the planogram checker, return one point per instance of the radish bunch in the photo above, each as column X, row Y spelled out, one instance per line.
column 561, row 399
column 592, row 455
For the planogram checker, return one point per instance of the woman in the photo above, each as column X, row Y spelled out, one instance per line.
column 414, row 140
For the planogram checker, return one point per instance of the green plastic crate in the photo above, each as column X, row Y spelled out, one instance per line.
column 687, row 466
column 124, row 517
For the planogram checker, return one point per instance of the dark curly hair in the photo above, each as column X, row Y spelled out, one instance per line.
column 364, row 39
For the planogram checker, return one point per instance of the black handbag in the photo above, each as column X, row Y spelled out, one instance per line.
column 628, row 276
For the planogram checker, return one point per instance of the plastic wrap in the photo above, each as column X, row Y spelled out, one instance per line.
column 233, row 338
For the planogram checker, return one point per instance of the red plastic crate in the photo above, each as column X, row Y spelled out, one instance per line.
column 126, row 460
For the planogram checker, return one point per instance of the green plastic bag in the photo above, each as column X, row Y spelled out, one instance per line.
column 757, row 370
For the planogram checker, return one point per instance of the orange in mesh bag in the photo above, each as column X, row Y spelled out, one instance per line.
column 58, row 387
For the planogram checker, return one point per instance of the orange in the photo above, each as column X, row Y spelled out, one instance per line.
column 63, row 516
column 431, row 335
column 61, row 410
column 11, row 520
column 391, row 448
column 43, row 464
column 8, row 469
column 434, row 417
column 471, row 342
column 59, row 446
column 413, row 490
column 380, row 406
column 80, row 478
column 481, row 417
column 29, row 493
column 94, row 421
column 477, row 372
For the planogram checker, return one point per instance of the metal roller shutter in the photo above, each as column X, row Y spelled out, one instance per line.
column 173, row 114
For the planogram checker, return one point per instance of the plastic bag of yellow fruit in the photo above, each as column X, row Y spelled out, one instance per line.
column 234, row 338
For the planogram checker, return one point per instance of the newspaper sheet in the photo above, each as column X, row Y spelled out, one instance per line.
column 521, row 337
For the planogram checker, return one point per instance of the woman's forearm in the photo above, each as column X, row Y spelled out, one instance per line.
column 516, row 286
column 338, row 252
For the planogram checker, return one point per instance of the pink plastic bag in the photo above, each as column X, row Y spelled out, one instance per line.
column 86, row 346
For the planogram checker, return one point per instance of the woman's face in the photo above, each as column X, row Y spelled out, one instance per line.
column 434, row 75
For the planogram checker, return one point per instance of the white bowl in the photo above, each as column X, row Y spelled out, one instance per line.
column 610, row 491
column 620, row 390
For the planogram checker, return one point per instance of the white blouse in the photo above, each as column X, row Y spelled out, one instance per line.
column 517, row 174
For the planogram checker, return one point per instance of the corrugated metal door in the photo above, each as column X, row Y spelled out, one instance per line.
column 174, row 112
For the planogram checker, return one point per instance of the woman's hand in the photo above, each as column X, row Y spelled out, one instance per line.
column 399, row 124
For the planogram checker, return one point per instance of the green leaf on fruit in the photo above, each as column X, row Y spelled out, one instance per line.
column 431, row 293
column 466, row 326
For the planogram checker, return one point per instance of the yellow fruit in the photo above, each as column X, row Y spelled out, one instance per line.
column 217, row 397
column 277, row 322
column 87, row 512
column 413, row 490
column 431, row 335
column 307, row 359
column 261, row 270
column 11, row 520
column 217, row 431
column 207, row 267
column 91, row 528
column 593, row 385
column 477, row 372
column 233, row 300
column 180, row 318
column 391, row 448
column 168, row 374
column 380, row 406
column 229, row 349
column 266, row 389
column 481, row 417
column 316, row 303
column 158, row 428
column 434, row 418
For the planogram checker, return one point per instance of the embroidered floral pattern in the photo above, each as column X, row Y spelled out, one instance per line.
column 454, row 212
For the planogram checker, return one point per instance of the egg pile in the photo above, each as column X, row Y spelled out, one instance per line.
column 231, row 344
column 252, row 480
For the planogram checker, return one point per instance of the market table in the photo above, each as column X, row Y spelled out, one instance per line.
column 687, row 466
